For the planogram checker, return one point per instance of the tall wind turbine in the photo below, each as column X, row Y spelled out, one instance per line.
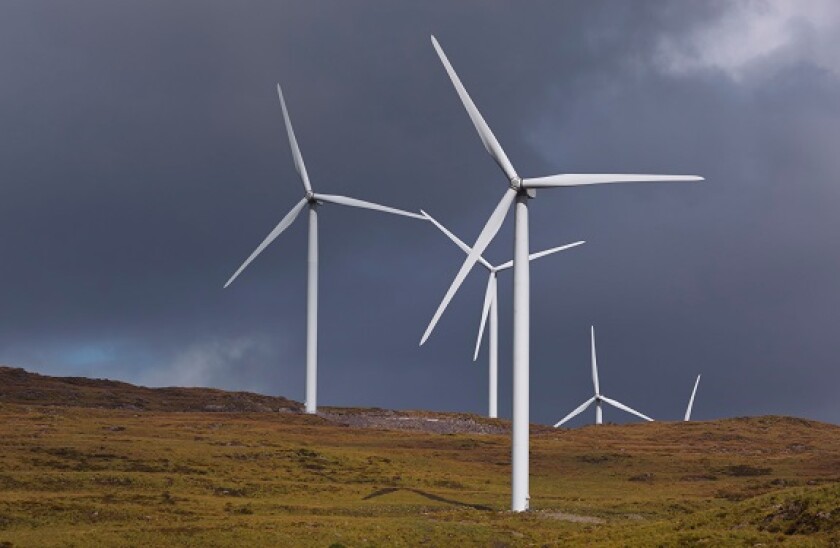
column 691, row 400
column 519, row 191
column 490, row 310
column 598, row 398
column 312, row 200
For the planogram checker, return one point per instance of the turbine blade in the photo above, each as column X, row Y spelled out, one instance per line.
column 691, row 401
column 533, row 256
column 553, row 250
column 577, row 179
column 594, row 363
column 353, row 202
column 464, row 247
column 489, row 297
column 299, row 165
column 623, row 407
column 494, row 223
column 576, row 412
column 281, row 226
column 490, row 143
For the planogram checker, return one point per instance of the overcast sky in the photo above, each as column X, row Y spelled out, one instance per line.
column 143, row 157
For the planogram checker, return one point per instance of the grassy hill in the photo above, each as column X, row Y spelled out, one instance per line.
column 98, row 462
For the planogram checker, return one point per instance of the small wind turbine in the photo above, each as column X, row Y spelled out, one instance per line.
column 598, row 397
column 490, row 310
column 312, row 200
column 519, row 190
column 691, row 400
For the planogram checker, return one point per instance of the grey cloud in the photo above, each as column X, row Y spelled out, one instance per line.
column 143, row 157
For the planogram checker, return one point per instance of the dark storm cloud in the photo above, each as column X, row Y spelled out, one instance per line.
column 143, row 157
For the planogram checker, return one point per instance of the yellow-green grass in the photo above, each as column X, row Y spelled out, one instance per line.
column 81, row 476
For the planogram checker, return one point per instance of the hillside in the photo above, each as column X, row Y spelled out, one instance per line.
column 100, row 462
column 20, row 386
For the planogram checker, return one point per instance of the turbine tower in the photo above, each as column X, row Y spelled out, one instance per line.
column 519, row 190
column 490, row 310
column 598, row 398
column 313, row 201
column 691, row 400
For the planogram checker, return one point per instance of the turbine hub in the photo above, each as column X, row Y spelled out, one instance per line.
column 516, row 184
column 310, row 196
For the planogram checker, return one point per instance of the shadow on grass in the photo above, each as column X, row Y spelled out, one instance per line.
column 430, row 496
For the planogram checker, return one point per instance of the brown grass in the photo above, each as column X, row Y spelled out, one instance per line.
column 76, row 475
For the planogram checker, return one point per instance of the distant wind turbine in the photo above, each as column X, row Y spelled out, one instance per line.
column 691, row 400
column 490, row 310
column 519, row 190
column 312, row 200
column 598, row 397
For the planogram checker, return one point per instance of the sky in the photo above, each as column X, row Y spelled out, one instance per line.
column 143, row 157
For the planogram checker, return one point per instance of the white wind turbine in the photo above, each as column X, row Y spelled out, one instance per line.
column 691, row 400
column 519, row 190
column 490, row 310
column 312, row 200
column 598, row 397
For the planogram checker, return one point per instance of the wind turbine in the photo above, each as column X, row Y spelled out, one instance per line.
column 598, row 398
column 312, row 200
column 490, row 310
column 519, row 191
column 691, row 400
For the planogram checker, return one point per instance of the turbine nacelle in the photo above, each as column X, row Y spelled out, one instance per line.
column 518, row 184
